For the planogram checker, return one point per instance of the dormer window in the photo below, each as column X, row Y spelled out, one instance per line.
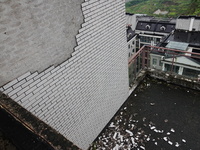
column 129, row 35
column 163, row 28
column 148, row 27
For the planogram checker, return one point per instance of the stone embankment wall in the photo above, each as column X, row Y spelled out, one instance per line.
column 80, row 95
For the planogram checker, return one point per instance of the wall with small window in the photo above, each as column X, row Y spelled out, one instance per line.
column 132, row 46
column 155, row 61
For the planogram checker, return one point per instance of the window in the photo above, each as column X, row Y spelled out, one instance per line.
column 129, row 46
column 190, row 72
column 154, row 61
column 133, row 42
column 174, row 68
column 163, row 28
column 160, row 63
column 148, row 27
column 146, row 39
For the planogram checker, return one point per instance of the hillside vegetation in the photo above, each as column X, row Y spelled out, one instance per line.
column 173, row 7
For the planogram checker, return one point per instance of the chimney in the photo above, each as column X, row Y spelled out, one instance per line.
column 191, row 23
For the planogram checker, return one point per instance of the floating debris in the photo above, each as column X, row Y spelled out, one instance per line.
column 116, row 147
column 168, row 133
column 156, row 143
column 183, row 140
column 133, row 141
column 125, row 108
column 148, row 84
column 143, row 119
column 177, row 144
column 172, row 130
column 112, row 125
column 155, row 130
column 153, row 127
column 148, row 139
column 135, row 95
column 115, row 135
column 152, row 104
column 166, row 120
column 165, row 138
column 121, row 138
column 170, row 142
column 142, row 147
column 131, row 134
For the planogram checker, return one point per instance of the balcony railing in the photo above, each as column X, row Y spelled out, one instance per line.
column 183, row 63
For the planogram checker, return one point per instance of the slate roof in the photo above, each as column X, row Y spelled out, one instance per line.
column 155, row 26
column 184, row 60
column 177, row 45
column 193, row 38
column 130, row 33
column 188, row 17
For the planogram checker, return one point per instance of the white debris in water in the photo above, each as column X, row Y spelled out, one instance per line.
column 121, row 138
column 133, row 141
column 172, row 130
column 114, row 136
column 183, row 140
column 121, row 113
column 112, row 125
column 157, row 131
column 152, row 104
column 156, row 143
column 116, row 147
column 165, row 138
column 142, row 147
column 131, row 134
column 177, row 144
column 143, row 119
column 170, row 142
column 168, row 133
column 135, row 95
column 125, row 108
column 153, row 127
column 160, row 131
column 148, row 84
column 148, row 139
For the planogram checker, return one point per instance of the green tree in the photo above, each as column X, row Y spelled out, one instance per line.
column 193, row 6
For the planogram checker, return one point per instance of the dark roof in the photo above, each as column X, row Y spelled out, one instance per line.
column 193, row 38
column 130, row 33
column 155, row 26
column 187, row 17
column 130, row 14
